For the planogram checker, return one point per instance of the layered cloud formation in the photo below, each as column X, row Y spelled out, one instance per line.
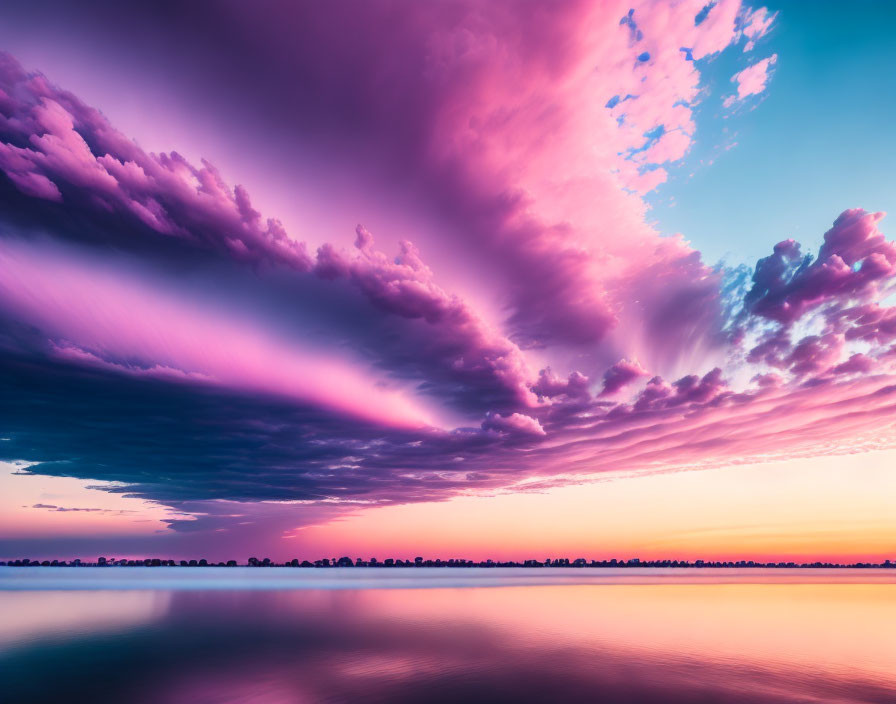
column 159, row 332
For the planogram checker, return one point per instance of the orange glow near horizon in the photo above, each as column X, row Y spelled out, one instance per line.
column 824, row 508
column 836, row 509
column 37, row 506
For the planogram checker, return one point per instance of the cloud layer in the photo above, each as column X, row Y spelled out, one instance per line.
column 160, row 332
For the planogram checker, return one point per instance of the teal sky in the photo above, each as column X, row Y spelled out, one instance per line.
column 817, row 141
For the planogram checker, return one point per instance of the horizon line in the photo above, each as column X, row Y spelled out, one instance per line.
column 456, row 563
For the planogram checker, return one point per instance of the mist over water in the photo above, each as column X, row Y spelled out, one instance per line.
column 707, row 638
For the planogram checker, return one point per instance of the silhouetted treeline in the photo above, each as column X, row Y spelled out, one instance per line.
column 454, row 563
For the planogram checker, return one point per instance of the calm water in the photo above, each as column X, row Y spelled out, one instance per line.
column 181, row 636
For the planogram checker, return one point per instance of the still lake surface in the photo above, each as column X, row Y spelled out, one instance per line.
column 278, row 636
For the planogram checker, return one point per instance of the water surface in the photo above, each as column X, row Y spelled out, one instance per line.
column 172, row 636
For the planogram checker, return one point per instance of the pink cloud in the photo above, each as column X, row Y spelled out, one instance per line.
column 568, row 278
column 672, row 146
column 769, row 380
column 549, row 385
column 478, row 132
column 690, row 389
column 515, row 423
column 855, row 264
column 621, row 374
column 739, row 428
column 119, row 322
column 814, row 354
column 869, row 322
column 757, row 24
column 567, row 200
column 858, row 363
column 112, row 174
column 752, row 80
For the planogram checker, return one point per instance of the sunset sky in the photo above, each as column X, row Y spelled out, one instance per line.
column 453, row 279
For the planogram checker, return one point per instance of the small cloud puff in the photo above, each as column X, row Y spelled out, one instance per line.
column 752, row 80
column 513, row 424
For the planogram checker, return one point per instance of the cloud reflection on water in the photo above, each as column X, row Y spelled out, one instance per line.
column 610, row 643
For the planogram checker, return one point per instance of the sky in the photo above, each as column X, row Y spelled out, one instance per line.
column 456, row 279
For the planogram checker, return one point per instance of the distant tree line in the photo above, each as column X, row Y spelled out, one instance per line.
column 580, row 562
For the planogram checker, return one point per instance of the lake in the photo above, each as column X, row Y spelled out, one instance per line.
column 277, row 636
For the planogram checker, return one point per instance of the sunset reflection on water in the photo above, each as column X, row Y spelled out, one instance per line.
column 729, row 642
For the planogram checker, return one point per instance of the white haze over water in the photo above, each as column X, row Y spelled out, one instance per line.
column 253, row 578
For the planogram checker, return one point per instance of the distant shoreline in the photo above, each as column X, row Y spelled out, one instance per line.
column 391, row 563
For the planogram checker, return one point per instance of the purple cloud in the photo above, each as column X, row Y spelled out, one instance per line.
column 622, row 374
column 515, row 423
column 549, row 385
column 855, row 262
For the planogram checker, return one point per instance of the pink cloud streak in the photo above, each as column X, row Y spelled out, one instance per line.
column 100, row 318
